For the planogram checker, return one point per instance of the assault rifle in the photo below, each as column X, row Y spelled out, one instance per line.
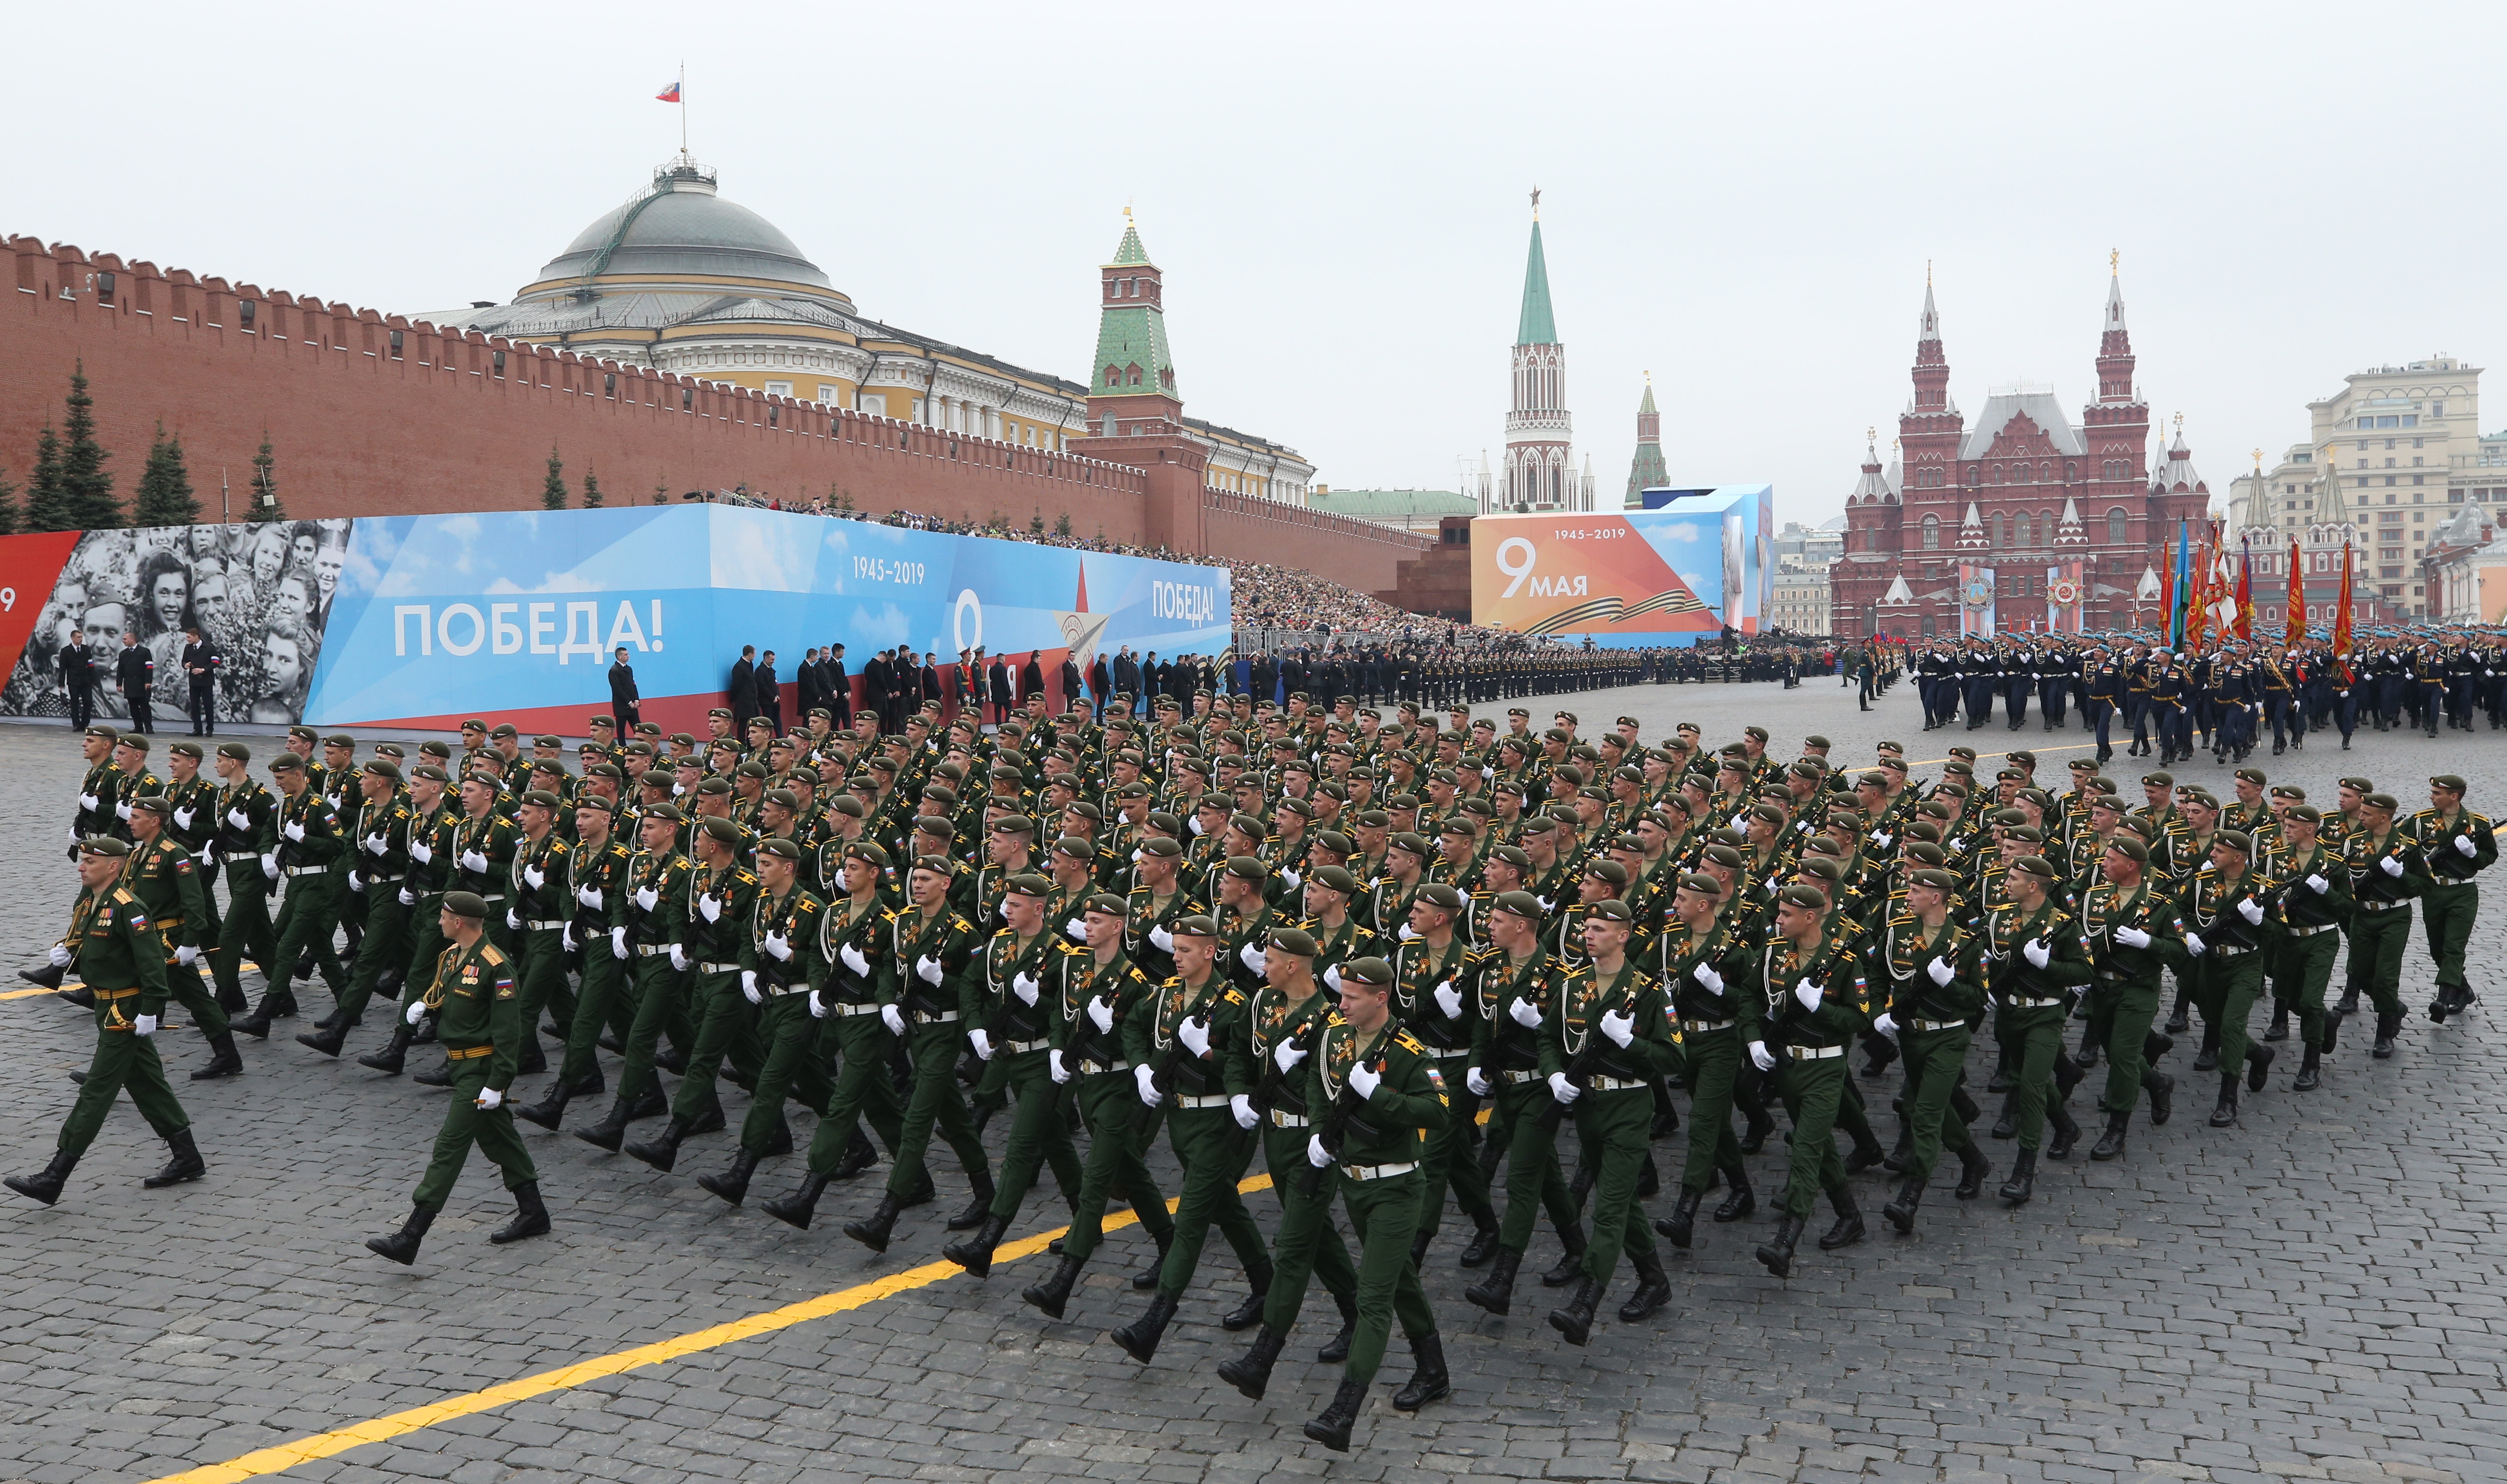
column 1598, row 1049
column 1332, row 1129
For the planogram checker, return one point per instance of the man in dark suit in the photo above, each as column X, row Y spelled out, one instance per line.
column 769, row 692
column 1127, row 672
column 201, row 674
column 135, row 669
column 997, row 689
column 839, row 686
column 1101, row 687
column 930, row 678
column 904, row 687
column 77, row 677
column 623, row 695
column 806, row 692
column 875, row 686
column 741, row 695
column 1030, row 677
column 1071, row 690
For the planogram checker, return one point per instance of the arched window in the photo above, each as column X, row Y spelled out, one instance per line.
column 1114, row 376
column 2005, row 528
column 2071, row 470
column 1932, row 533
column 1997, row 474
column 2019, row 474
column 1974, row 474
column 2028, row 530
column 2119, row 527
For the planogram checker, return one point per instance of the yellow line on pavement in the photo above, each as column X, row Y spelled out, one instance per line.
column 1981, row 754
column 281, row 1457
column 68, row 985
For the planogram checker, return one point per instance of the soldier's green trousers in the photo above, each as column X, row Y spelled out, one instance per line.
column 726, row 1026
column 386, row 945
column 183, row 986
column 1284, row 1155
column 539, row 982
column 1612, row 1129
column 1039, row 1135
column 861, row 1090
column 2031, row 1041
column 427, row 943
column 466, row 1123
column 1107, row 1103
column 244, row 933
column 308, row 916
column 2377, row 940
column 1715, row 1060
column 661, row 995
column 2121, row 1012
column 2447, row 915
column 1812, row 1090
column 1385, row 1215
column 1934, row 1059
column 2301, row 969
column 1534, row 1180
column 1200, row 1138
column 605, row 1002
column 790, row 1065
column 123, row 1057
column 934, row 1103
column 1452, row 1161
column 2225, row 991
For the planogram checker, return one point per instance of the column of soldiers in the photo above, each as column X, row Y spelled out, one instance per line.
column 1440, row 677
column 1397, row 958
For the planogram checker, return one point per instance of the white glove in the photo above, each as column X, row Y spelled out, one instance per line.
column 356, row 883
column 2319, row 885
column 474, row 860
column 590, row 896
column 2194, row 944
column 1315, row 1152
column 2252, row 910
column 235, row 816
column 1077, row 929
column 780, row 946
column 708, row 908
column 183, row 817
column 1885, row 1023
column 928, row 969
column 416, row 1008
column 1941, row 971
column 852, row 959
column 295, row 830
column 1194, row 1034
column 1546, row 904
column 1101, row 1013
column 1621, row 1028
column 377, row 844
column 1023, row 986
column 893, row 1019
column 1053, row 1063
column 749, row 987
column 185, row 954
column 1196, row 824
column 1408, row 933
column 422, row 853
column 982, row 1042
column 145, row 1025
column 1287, row 1054
column 1365, row 1080
column 1707, row 979
column 1882, row 839
column 1251, row 956
column 1524, row 1013
column 2036, row 952
column 1331, row 978
column 1808, row 994
column 818, row 1009
column 408, row 898
column 1958, row 844
column 1162, row 940
column 534, row 876
column 2392, row 865
column 90, row 803
column 678, row 958
column 618, row 943
column 1294, row 880
column 270, row 865
column 2132, row 937
column 1243, row 1108
column 1759, row 1057
column 514, row 919
column 1450, row 1000
column 1145, row 1077
column 648, row 898
column 489, row 1098
column 60, row 956
column 1562, row 1089
column 2463, row 845
column 1472, row 1079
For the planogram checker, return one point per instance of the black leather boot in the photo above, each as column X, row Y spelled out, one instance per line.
column 859, row 1155
column 273, row 1002
column 1777, row 1252
column 45, row 1185
column 2181, row 1019
column 438, row 1075
column 1895, row 1161
column 186, row 1165
column 337, row 1020
column 2000, row 1081
column 779, row 1140
column 980, row 1208
column 2259, row 1059
column 1677, row 1227
column 874, row 1230
column 974, row 1252
column 731, row 1185
column 1849, row 1229
column 2067, row 1131
column 401, row 1246
column 2279, row 1030
column 1251, row 1372
column 1757, row 1125
column 664, row 1150
column 1654, row 1287
column 1331, row 1429
column 224, row 1060
column 1483, row 1241
column 1337, row 1349
column 1247, row 1315
column 611, row 1131
column 2309, row 1073
column 2332, row 1032
column 2348, row 1004
column 1428, row 1379
column 2006, row 1124
column 2387, row 1025
column 1575, row 1320
column 551, row 1109
column 395, row 1051
column 45, row 975
column 2162, row 1095
column 328, row 1039
column 1863, row 1156
column 1570, row 1263
column 2111, row 1142
column 653, row 1105
column 1496, row 1292
column 2225, row 1111
column 2207, row 1059
column 1147, row 1278
column 530, row 1217
column 1900, row 1209
column 1742, row 1201
column 2154, row 1045
column 2023, row 1180
column 1974, row 1169
column 794, row 1210
column 1139, row 1338
column 1054, row 1292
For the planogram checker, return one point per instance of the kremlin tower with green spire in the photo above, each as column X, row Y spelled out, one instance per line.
column 1540, row 463
column 1647, row 471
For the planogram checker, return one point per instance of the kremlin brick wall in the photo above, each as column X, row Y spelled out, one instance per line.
column 368, row 414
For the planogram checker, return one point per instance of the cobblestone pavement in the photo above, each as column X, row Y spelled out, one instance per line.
column 2315, row 1295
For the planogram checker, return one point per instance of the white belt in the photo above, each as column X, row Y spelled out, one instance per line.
column 1702, row 1026
column 306, row 870
column 535, row 924
column 1214, row 1099
column 943, row 1018
column 1280, row 1120
column 842, row 1011
column 2308, row 933
column 380, row 880
column 1815, row 1053
column 2231, row 951
column 717, row 969
column 2381, row 906
column 773, row 992
column 1377, row 1171
column 1096, row 1068
column 1020, row 1048
column 1518, row 1078
column 2032, row 1004
column 1937, row 1025
column 651, row 950
column 1611, row 1084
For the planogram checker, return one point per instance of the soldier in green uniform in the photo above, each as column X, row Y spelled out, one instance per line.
column 1702, row 955
column 1513, row 983
column 193, row 823
column 1429, row 982
column 2224, row 910
column 780, row 970
column 1380, row 1097
column 1934, row 989
column 245, row 842
column 2387, row 869
column 377, row 841
column 174, row 896
column 480, row 1024
column 2133, row 933
column 2035, row 959
column 595, row 870
column 2309, row 908
column 538, row 912
column 309, row 860
column 722, row 895
column 426, row 839
column 1811, row 991
column 1014, row 1041
column 2457, row 844
column 118, row 950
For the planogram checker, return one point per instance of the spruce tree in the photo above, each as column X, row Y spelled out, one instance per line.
column 164, row 495
column 552, row 491
column 48, row 504
column 661, row 495
column 265, row 484
column 590, row 490
column 90, row 488
column 8, row 508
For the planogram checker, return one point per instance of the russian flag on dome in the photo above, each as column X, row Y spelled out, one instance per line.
column 670, row 94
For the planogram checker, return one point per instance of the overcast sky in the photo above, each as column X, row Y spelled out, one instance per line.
column 1740, row 198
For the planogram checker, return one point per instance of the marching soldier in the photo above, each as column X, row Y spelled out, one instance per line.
column 379, row 843
column 2133, row 933
column 1015, row 1042
column 2311, row 902
column 174, row 897
column 2224, row 911
column 2387, row 869
column 595, row 870
column 1512, row 986
column 2036, row 961
column 1811, row 990
column 722, row 895
column 780, row 972
column 1935, row 991
column 2457, row 844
